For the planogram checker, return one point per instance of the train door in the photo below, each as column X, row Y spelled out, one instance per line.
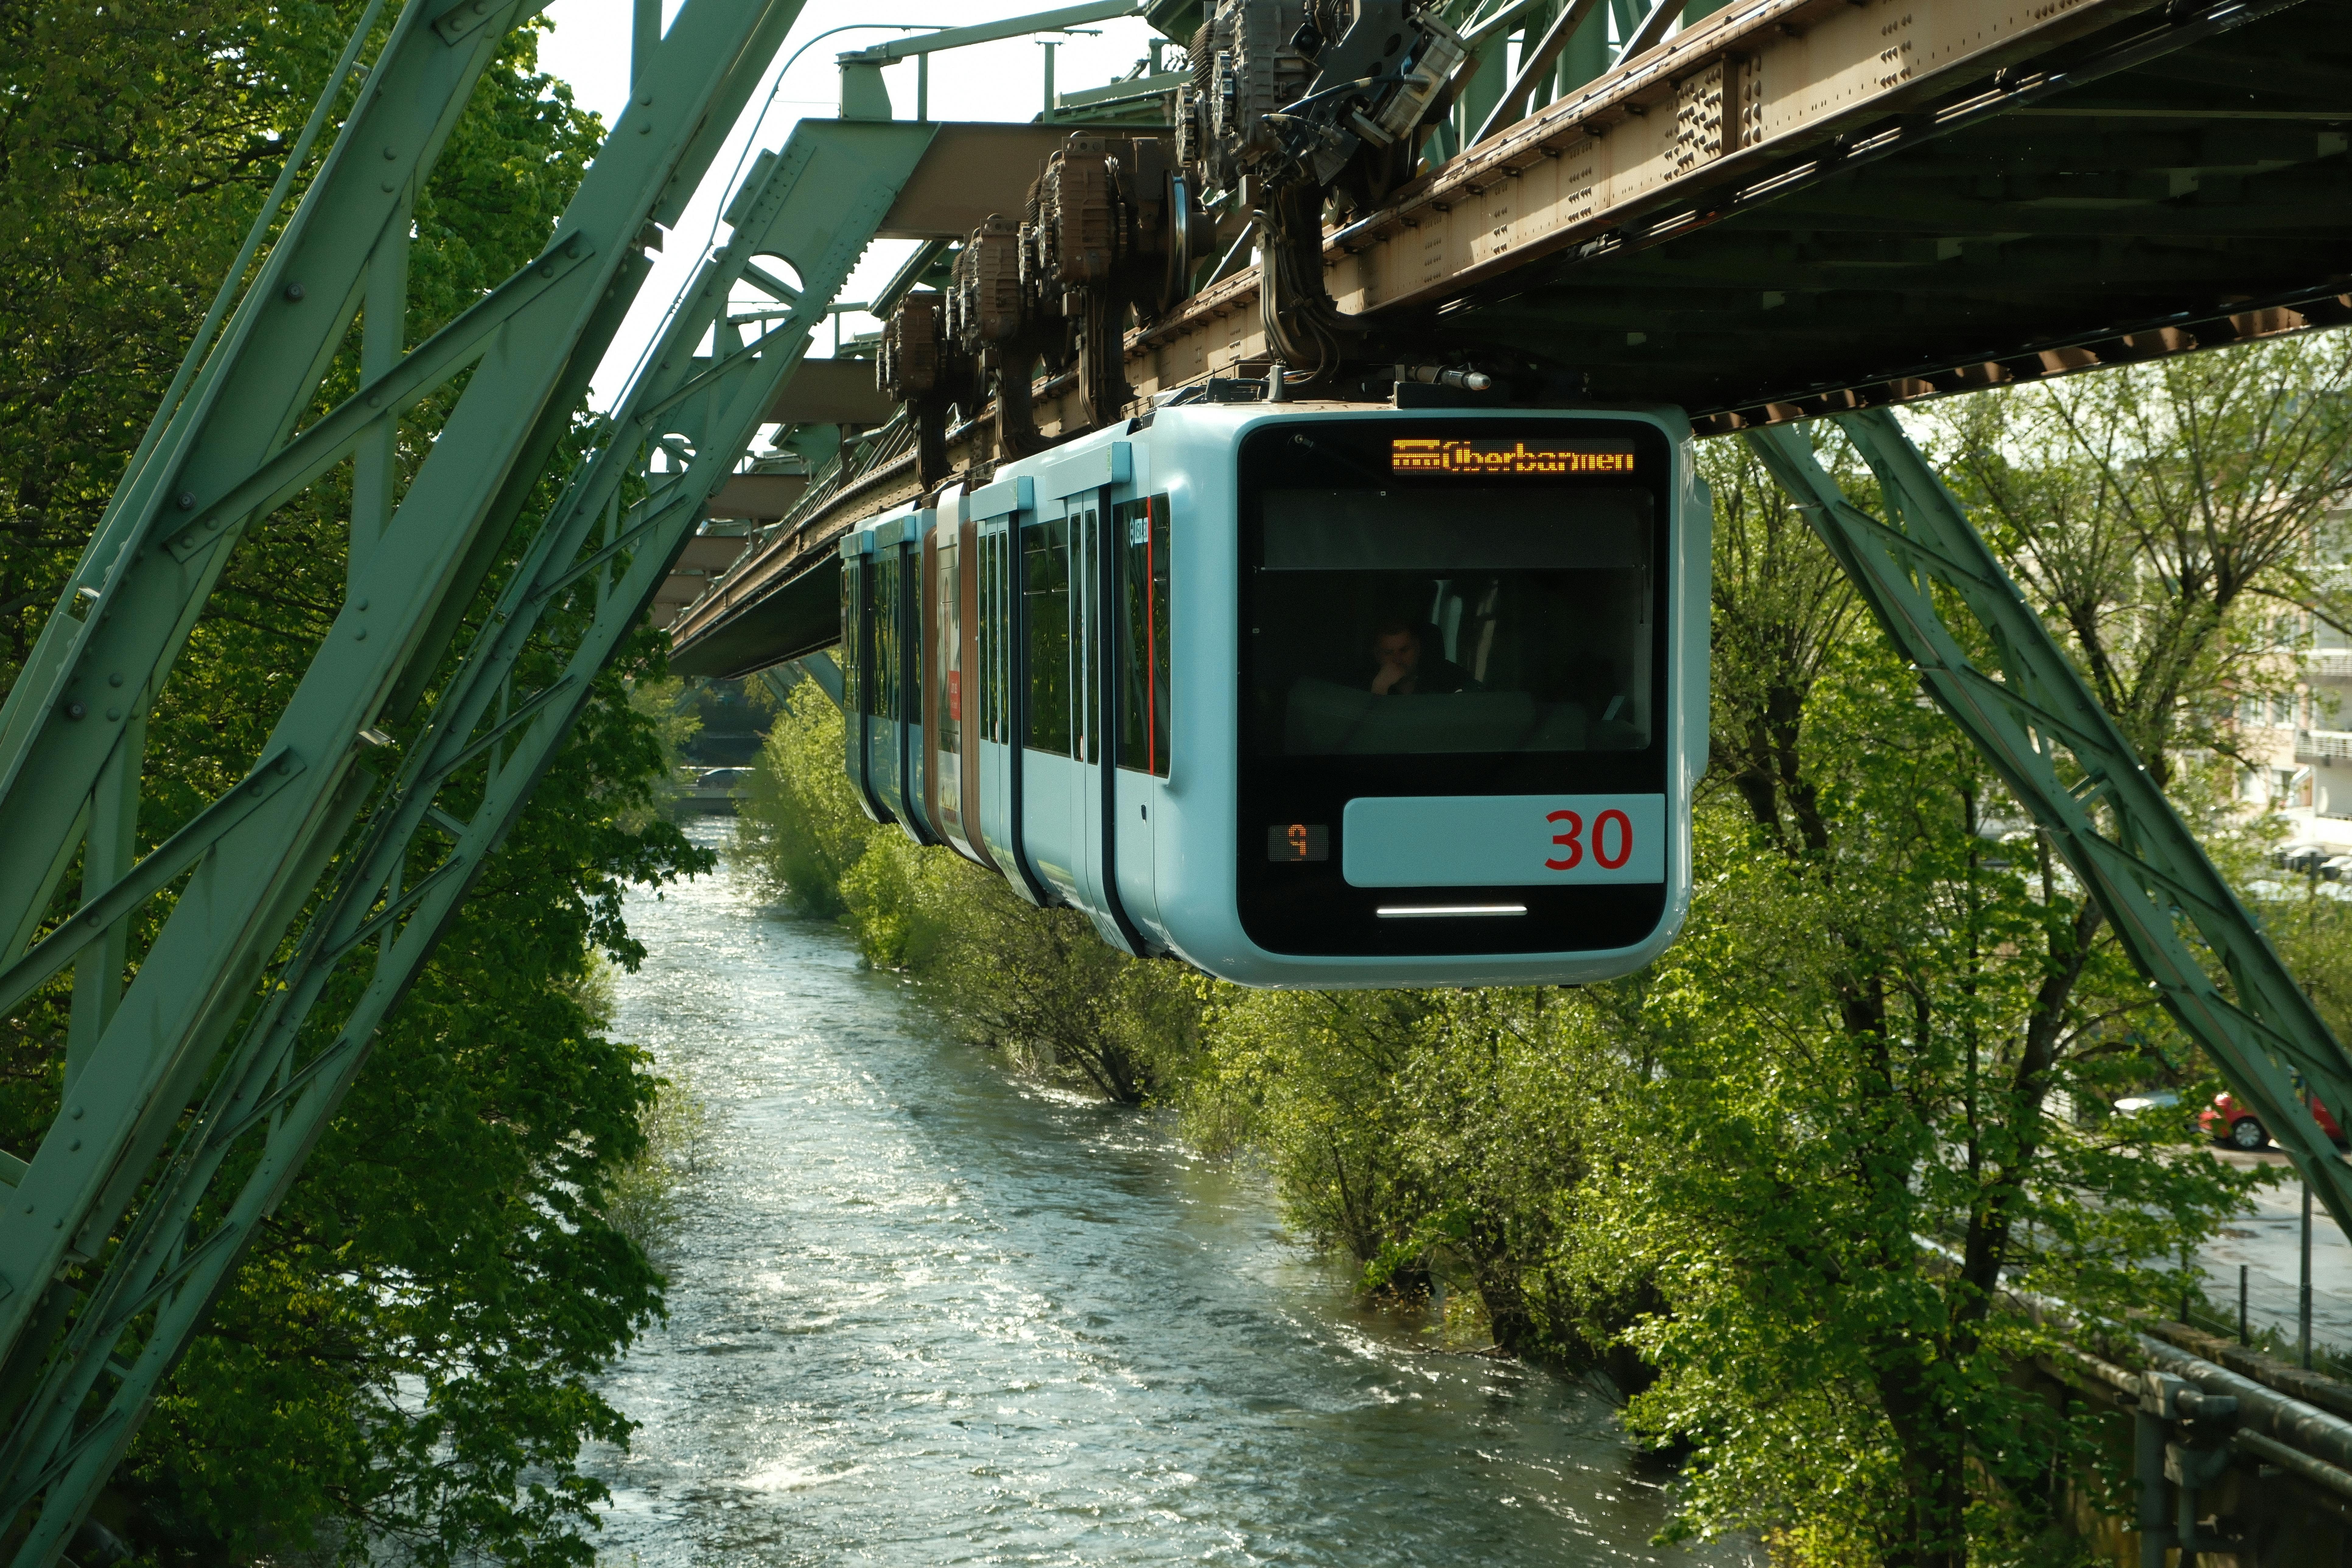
column 857, row 675
column 1088, row 809
column 1051, row 673
column 885, row 737
column 942, row 682
column 1138, row 690
column 959, row 756
column 996, row 513
column 916, row 593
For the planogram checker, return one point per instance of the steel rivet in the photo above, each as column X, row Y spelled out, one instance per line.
column 360, row 604
column 74, row 1145
column 114, row 713
column 375, row 400
column 187, row 540
column 74, row 709
column 187, row 500
column 360, row 636
column 388, row 187
column 76, row 1113
column 390, row 153
column 211, row 522
column 115, row 680
column 293, row 293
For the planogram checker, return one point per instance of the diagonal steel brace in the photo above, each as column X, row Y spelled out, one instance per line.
column 2269, row 1032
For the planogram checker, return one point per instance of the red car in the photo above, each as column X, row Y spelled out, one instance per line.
column 2225, row 1121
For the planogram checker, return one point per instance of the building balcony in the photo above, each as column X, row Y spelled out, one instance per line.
column 2327, row 663
column 2322, row 745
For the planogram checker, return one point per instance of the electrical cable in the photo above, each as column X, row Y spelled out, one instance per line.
column 743, row 157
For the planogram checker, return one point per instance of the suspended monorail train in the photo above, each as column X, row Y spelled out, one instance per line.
column 1307, row 694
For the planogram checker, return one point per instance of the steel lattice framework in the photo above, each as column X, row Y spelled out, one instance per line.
column 2038, row 722
column 213, row 1050
column 194, row 1092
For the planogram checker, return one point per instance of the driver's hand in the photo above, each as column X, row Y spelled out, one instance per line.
column 1390, row 673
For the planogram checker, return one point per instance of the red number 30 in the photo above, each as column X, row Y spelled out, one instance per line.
column 1571, row 840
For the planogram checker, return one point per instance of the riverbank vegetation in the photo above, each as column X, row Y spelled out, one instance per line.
column 1775, row 1182
column 403, row 1365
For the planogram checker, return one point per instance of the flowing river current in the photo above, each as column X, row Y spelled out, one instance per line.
column 924, row 1312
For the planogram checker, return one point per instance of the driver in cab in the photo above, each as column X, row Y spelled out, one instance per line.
column 1404, row 670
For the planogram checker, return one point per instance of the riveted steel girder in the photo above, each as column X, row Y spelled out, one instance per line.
column 2038, row 722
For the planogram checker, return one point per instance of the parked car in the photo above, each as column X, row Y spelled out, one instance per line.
column 2227, row 1122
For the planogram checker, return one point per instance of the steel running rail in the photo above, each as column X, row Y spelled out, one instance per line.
column 2037, row 722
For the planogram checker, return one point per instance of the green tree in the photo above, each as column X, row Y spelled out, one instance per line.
column 1038, row 985
column 2168, row 520
column 800, row 826
column 404, row 1360
column 1892, row 1020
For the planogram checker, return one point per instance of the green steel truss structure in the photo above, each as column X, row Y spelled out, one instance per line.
column 193, row 1093
column 2036, row 720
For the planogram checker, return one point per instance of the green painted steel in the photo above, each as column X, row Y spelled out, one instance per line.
column 2037, row 722
column 213, row 1046
column 216, row 1048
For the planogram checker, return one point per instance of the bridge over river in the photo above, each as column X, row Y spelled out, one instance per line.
column 1767, row 211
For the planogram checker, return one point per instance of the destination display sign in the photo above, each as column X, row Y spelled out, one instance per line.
column 1502, row 840
column 1488, row 459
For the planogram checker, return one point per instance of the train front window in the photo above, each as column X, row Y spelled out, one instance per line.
column 1395, row 618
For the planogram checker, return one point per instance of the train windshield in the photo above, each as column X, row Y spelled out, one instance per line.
column 1395, row 618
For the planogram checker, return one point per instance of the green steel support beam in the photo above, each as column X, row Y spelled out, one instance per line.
column 2037, row 722
column 98, row 1293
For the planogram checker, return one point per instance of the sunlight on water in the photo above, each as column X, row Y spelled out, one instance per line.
column 922, row 1312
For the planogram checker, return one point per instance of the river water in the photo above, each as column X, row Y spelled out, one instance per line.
column 923, row 1312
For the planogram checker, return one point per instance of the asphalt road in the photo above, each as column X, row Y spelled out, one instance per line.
column 2268, row 1243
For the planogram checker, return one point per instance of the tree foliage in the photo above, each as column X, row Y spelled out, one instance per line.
column 405, row 1359
column 1037, row 984
column 1788, row 1183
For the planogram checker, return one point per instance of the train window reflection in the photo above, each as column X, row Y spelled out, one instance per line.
column 890, row 651
column 1046, row 584
column 1139, row 535
column 1505, row 619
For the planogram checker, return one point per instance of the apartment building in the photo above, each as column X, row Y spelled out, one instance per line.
column 2300, row 745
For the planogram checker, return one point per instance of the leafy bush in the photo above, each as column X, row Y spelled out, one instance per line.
column 1038, row 985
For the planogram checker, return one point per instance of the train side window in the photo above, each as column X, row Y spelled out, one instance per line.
column 883, row 688
column 1045, row 593
column 1139, row 533
column 991, row 636
column 1007, row 654
column 985, row 596
column 1086, row 630
column 949, row 630
column 853, row 639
